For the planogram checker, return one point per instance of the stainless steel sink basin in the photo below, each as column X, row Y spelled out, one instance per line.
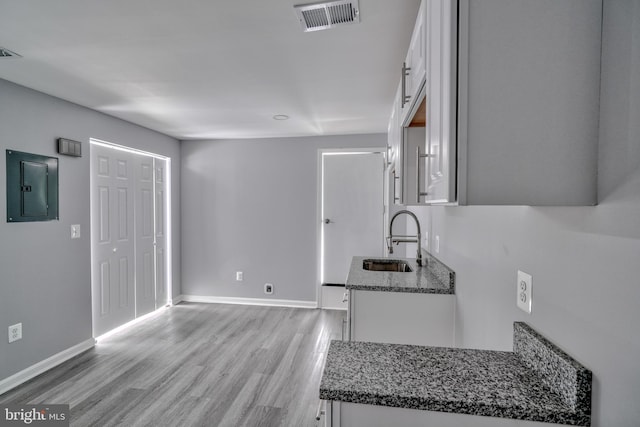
column 395, row 265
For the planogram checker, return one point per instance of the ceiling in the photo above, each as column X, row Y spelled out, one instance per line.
column 211, row 69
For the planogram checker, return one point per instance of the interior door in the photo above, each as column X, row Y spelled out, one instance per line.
column 112, row 235
column 160, row 189
column 145, row 249
column 352, row 211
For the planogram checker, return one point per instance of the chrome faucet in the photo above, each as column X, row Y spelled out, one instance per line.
column 404, row 238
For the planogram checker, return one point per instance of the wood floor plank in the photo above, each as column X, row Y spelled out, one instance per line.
column 264, row 416
column 197, row 365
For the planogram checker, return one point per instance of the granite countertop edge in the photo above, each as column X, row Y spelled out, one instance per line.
column 365, row 287
column 567, row 417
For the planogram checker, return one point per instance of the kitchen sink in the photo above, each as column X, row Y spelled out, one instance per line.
column 395, row 265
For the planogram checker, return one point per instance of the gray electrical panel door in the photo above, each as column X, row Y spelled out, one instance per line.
column 32, row 187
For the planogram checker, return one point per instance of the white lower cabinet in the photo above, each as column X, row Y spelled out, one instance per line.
column 333, row 297
column 401, row 318
column 323, row 416
column 356, row 415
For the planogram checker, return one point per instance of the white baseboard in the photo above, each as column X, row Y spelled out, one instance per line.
column 249, row 301
column 40, row 367
column 177, row 300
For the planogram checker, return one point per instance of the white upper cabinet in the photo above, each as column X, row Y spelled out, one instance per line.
column 414, row 66
column 393, row 131
column 394, row 143
column 507, row 93
column 441, row 121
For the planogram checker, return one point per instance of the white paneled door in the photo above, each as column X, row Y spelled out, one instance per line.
column 113, row 238
column 352, row 211
column 145, row 252
column 127, row 237
column 160, row 189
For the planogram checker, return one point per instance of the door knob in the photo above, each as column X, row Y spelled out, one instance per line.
column 327, row 221
column 115, row 249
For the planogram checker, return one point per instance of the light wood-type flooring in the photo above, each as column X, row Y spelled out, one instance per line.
column 197, row 365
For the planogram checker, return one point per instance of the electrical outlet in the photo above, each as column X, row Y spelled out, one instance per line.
column 268, row 288
column 523, row 291
column 239, row 276
column 15, row 332
column 437, row 244
column 75, row 231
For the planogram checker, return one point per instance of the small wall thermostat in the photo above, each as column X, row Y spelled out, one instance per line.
column 69, row 147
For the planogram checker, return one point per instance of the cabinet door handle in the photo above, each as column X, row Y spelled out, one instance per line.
column 405, row 72
column 418, row 158
column 395, row 196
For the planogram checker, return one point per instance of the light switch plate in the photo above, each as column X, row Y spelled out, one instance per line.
column 75, row 231
column 523, row 291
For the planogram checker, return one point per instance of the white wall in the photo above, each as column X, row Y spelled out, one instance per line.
column 251, row 206
column 45, row 277
column 585, row 261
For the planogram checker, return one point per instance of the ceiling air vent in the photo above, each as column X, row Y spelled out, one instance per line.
column 6, row 53
column 322, row 16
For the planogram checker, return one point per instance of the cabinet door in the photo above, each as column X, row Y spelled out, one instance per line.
column 441, row 97
column 417, row 49
column 392, row 129
column 397, row 150
column 413, row 144
column 415, row 63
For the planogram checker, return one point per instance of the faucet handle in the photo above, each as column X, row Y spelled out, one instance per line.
column 390, row 244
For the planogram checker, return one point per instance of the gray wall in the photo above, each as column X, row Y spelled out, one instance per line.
column 45, row 277
column 585, row 261
column 251, row 205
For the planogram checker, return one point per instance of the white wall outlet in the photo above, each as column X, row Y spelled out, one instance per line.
column 268, row 288
column 15, row 332
column 239, row 276
column 75, row 231
column 523, row 292
column 437, row 244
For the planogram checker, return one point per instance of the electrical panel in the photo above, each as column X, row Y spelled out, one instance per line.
column 32, row 187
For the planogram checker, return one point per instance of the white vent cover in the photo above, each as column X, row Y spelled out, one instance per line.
column 6, row 53
column 325, row 15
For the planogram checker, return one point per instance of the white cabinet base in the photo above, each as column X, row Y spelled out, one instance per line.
column 356, row 415
column 402, row 318
column 333, row 298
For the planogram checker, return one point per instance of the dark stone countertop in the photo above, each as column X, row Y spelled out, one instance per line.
column 474, row 382
column 432, row 278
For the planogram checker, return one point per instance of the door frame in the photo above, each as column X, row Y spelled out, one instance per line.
column 319, row 218
column 167, row 224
